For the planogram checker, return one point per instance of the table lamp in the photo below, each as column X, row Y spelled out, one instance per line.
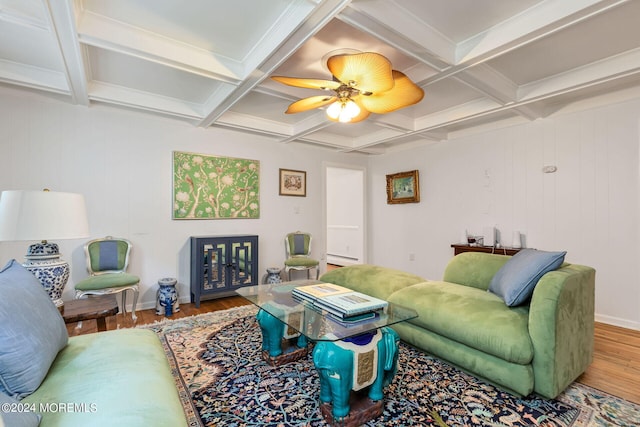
column 44, row 215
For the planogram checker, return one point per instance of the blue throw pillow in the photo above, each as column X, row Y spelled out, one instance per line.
column 32, row 331
column 517, row 278
column 14, row 414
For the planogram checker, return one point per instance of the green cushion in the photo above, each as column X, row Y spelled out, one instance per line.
column 470, row 316
column 474, row 269
column 379, row 282
column 120, row 257
column 515, row 378
column 104, row 281
column 121, row 377
column 301, row 262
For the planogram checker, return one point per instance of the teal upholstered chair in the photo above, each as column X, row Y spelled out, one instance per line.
column 298, row 248
column 107, row 262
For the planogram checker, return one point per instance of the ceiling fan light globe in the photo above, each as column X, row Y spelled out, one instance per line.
column 351, row 109
column 344, row 118
column 334, row 110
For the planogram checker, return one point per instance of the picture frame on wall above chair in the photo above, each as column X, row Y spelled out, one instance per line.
column 293, row 183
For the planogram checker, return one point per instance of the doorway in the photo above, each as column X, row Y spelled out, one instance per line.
column 345, row 215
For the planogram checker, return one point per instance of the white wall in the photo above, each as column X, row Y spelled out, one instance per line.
column 121, row 161
column 589, row 207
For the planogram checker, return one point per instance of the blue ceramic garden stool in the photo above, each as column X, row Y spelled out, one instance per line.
column 167, row 297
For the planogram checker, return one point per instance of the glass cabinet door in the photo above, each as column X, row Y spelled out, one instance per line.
column 243, row 262
column 214, row 270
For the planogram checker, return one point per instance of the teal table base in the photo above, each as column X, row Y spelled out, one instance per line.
column 280, row 342
column 356, row 368
column 362, row 411
column 291, row 352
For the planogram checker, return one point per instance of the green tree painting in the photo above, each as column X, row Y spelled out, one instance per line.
column 212, row 187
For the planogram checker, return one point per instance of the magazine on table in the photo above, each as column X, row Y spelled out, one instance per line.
column 350, row 304
column 319, row 290
column 358, row 319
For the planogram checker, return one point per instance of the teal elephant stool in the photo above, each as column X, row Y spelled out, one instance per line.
column 281, row 343
column 353, row 374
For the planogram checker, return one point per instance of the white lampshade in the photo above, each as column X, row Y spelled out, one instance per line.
column 42, row 215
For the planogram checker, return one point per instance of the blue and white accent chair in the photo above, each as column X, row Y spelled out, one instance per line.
column 298, row 248
column 107, row 262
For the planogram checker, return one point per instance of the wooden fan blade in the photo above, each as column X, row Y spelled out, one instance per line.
column 360, row 117
column 367, row 72
column 307, row 83
column 310, row 103
column 403, row 94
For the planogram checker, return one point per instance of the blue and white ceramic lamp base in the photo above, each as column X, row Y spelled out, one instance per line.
column 43, row 261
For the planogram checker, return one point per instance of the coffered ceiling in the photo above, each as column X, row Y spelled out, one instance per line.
column 208, row 62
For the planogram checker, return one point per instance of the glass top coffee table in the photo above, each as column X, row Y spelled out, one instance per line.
column 354, row 362
column 308, row 320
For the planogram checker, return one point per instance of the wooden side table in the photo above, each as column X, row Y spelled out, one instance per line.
column 458, row 249
column 93, row 307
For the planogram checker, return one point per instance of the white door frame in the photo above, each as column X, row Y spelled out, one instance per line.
column 325, row 166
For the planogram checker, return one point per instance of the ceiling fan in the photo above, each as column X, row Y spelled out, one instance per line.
column 363, row 83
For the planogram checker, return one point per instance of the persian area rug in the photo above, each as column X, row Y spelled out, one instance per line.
column 222, row 380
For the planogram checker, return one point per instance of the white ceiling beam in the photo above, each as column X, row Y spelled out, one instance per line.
column 456, row 114
column 309, row 25
column 616, row 67
column 529, row 111
column 301, row 134
column 391, row 23
column 250, row 123
column 436, row 135
column 312, row 123
column 127, row 97
column 96, row 30
column 538, row 21
column 328, row 140
column 62, row 18
column 33, row 77
column 398, row 122
column 17, row 18
column 486, row 80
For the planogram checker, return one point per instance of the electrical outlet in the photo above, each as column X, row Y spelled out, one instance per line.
column 412, row 257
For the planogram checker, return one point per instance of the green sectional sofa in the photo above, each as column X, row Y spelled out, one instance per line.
column 115, row 378
column 539, row 346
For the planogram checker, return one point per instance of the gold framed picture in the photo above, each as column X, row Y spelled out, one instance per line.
column 293, row 183
column 403, row 187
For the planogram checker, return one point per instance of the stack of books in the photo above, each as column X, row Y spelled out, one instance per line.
column 341, row 304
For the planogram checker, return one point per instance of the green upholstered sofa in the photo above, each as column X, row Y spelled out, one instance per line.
column 541, row 346
column 115, row 378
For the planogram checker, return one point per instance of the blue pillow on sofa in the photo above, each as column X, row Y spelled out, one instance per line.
column 517, row 278
column 14, row 418
column 32, row 331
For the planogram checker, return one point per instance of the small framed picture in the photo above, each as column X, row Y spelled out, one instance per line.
column 403, row 187
column 293, row 183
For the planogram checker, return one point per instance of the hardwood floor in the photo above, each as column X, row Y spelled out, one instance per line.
column 616, row 362
column 615, row 368
column 149, row 316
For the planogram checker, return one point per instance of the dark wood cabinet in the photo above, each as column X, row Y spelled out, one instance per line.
column 221, row 264
column 458, row 249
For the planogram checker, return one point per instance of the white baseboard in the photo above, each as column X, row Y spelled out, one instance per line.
column 342, row 261
column 616, row 321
